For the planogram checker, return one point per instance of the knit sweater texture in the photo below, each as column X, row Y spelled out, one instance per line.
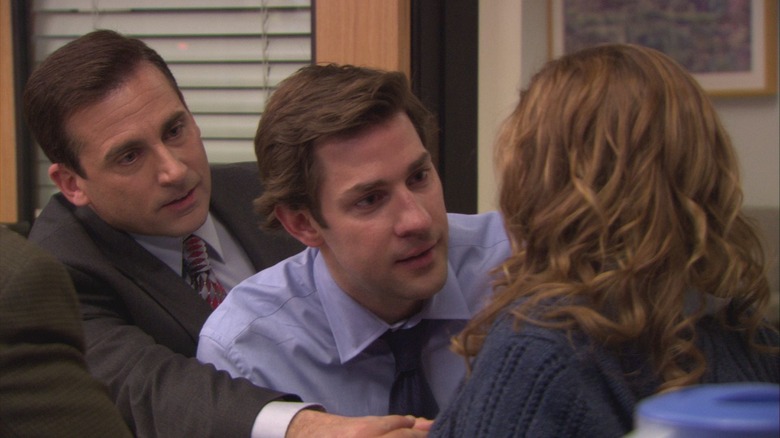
column 538, row 382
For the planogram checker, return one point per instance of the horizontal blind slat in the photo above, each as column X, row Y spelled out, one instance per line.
column 226, row 101
column 227, row 125
column 216, row 49
column 230, row 76
column 125, row 5
column 230, row 151
column 140, row 24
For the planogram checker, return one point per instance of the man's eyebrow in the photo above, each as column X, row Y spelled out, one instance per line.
column 361, row 188
column 173, row 120
column 424, row 159
column 122, row 148
column 119, row 150
column 357, row 189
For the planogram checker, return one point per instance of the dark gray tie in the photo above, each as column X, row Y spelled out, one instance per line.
column 410, row 394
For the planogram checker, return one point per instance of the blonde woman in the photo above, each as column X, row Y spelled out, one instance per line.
column 634, row 270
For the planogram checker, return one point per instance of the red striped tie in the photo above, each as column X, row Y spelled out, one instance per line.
column 199, row 273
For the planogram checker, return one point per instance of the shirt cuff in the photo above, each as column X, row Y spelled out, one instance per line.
column 275, row 417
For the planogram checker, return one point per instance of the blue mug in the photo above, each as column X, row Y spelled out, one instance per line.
column 728, row 410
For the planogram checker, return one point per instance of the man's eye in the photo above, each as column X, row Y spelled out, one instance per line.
column 175, row 131
column 419, row 177
column 368, row 201
column 129, row 158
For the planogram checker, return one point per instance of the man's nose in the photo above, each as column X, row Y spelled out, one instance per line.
column 413, row 217
column 171, row 169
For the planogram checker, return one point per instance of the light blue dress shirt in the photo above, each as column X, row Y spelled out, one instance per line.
column 290, row 326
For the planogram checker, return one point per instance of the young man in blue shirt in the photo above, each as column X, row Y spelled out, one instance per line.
column 346, row 168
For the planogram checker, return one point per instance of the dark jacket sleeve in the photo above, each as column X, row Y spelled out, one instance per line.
column 141, row 324
column 159, row 391
column 45, row 388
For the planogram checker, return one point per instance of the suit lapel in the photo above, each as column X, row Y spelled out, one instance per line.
column 234, row 187
column 151, row 275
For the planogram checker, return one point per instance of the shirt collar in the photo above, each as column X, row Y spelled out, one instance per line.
column 169, row 249
column 355, row 327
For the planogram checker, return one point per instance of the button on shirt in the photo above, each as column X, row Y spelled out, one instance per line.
column 291, row 326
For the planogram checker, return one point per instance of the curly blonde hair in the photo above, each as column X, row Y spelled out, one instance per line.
column 620, row 187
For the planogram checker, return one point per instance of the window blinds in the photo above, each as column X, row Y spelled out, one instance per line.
column 226, row 55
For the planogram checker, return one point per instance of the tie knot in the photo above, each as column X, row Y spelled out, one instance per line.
column 195, row 255
column 406, row 345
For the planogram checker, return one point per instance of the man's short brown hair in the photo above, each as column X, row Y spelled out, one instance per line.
column 316, row 104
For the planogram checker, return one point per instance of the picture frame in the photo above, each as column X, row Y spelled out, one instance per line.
column 731, row 51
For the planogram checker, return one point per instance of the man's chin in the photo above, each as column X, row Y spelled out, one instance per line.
column 183, row 226
column 427, row 290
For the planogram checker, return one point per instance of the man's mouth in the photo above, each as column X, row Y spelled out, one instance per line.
column 420, row 256
column 187, row 196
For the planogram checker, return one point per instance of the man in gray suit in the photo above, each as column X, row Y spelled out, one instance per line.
column 134, row 182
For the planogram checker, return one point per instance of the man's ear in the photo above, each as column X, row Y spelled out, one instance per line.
column 300, row 224
column 69, row 183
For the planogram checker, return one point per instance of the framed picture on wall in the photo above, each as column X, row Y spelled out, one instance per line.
column 730, row 46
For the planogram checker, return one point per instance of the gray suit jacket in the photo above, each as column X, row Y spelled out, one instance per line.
column 142, row 320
